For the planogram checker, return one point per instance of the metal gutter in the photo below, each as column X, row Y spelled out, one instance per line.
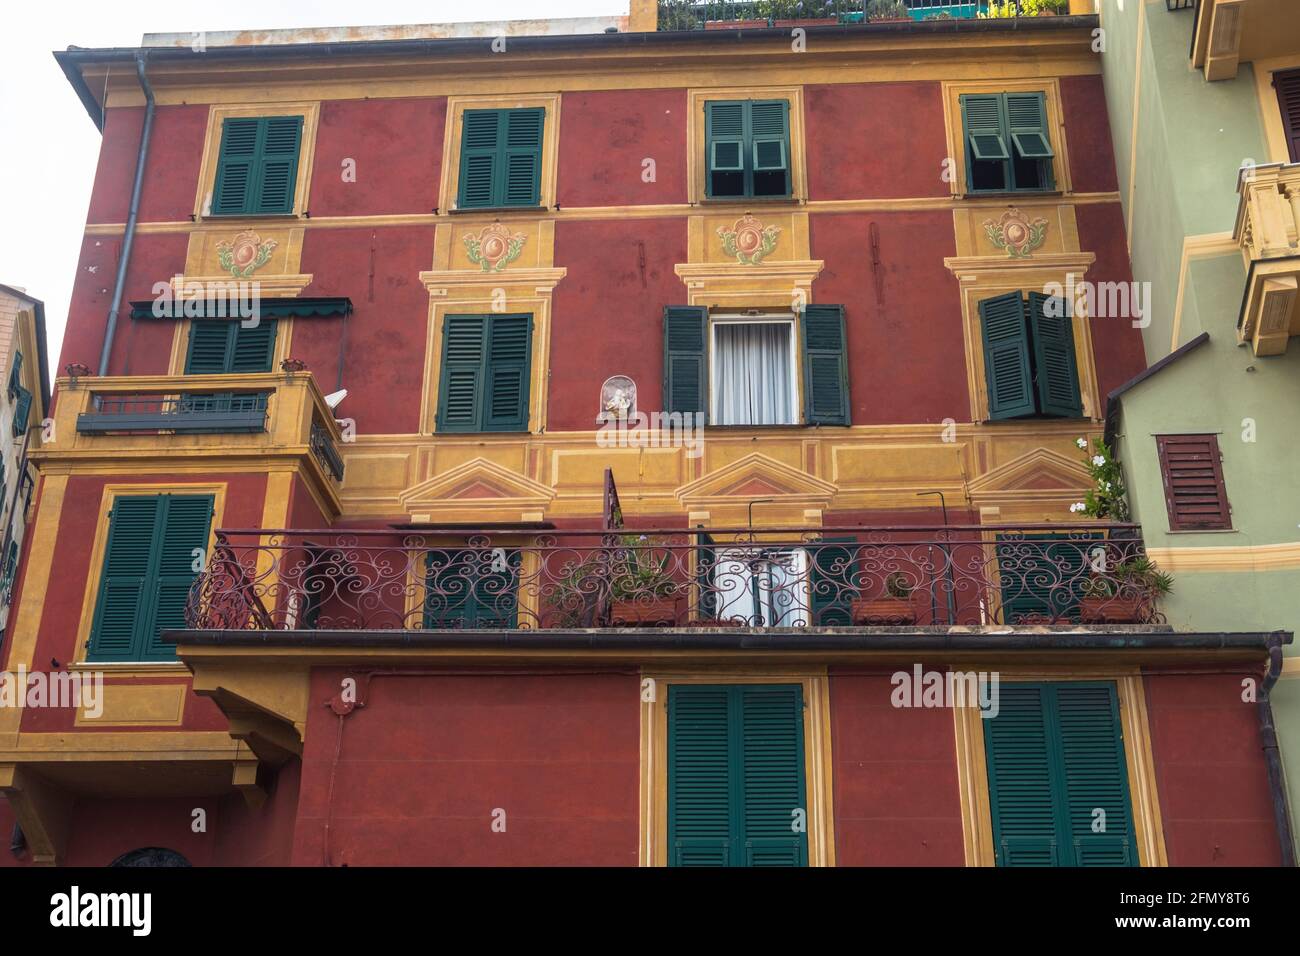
column 73, row 58
column 1273, row 758
column 1113, row 399
column 137, row 187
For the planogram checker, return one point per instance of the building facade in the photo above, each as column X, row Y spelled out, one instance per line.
column 623, row 448
column 1205, row 114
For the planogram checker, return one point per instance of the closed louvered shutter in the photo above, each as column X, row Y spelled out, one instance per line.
column 1056, row 370
column 501, row 158
column 1192, row 472
column 257, row 165
column 1288, row 97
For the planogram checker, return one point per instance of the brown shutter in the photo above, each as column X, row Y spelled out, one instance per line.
column 1288, row 98
column 1193, row 478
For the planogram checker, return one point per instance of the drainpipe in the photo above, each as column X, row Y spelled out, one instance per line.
column 1272, row 758
column 134, row 212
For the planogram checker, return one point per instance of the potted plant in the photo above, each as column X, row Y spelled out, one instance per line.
column 895, row 607
column 885, row 10
column 642, row 588
column 1126, row 595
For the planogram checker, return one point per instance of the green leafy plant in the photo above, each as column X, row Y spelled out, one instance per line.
column 897, row 586
column 886, row 10
column 1136, row 577
column 1004, row 10
column 637, row 573
column 1108, row 498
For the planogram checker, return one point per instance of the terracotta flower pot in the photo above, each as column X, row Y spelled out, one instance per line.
column 883, row 610
column 1115, row 610
column 660, row 612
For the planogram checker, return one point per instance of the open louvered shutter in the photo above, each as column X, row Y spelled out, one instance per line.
column 1288, row 98
column 460, row 381
column 236, row 189
column 15, row 374
column 685, row 377
column 825, row 365
column 832, row 577
column 211, row 347
column 509, row 349
column 772, row 776
column 277, row 170
column 184, row 524
column 1055, row 366
column 521, row 185
column 1192, row 472
column 1022, row 795
column 254, row 347
column 724, row 133
column 22, row 411
column 480, row 137
column 1095, row 775
column 983, row 121
column 769, row 137
column 1006, row 356
column 122, row 606
column 1027, row 123
column 702, row 774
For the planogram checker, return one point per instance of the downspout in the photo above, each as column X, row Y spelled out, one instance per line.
column 129, row 237
column 1272, row 758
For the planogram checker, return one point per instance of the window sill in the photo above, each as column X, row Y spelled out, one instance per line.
column 132, row 668
column 1011, row 194
column 744, row 200
column 249, row 217
column 497, row 210
column 1205, row 531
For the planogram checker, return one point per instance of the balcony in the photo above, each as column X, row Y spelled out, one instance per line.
column 734, row 14
column 1227, row 33
column 851, row 577
column 1268, row 212
column 143, row 416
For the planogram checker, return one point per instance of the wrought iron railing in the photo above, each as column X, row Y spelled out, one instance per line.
column 708, row 14
column 326, row 452
column 1093, row 573
column 188, row 412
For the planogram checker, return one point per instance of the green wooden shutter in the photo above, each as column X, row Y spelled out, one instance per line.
column 1006, row 356
column 277, row 169
column 15, row 377
column 769, row 152
column 184, row 528
column 1095, row 775
column 736, row 775
column 462, row 589
column 706, row 559
column 121, row 608
column 254, row 347
column 685, row 373
column 509, row 354
column 522, row 165
column 22, row 412
column 1021, row 782
column 825, row 365
column 210, row 348
column 480, row 135
column 461, row 378
column 983, row 120
column 724, row 134
column 1040, row 579
column 702, row 777
column 833, row 590
column 1055, row 366
column 1027, row 124
column 235, row 190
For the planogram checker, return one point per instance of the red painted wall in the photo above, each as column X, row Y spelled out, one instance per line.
column 605, row 137
column 1092, row 157
column 895, row 776
column 1210, row 772
column 172, row 175
column 429, row 758
column 906, row 357
column 1116, row 344
column 608, row 312
column 396, row 148
column 860, row 147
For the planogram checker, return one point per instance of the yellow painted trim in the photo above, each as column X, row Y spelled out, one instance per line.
column 138, row 705
column 953, row 90
column 653, row 845
column 1269, row 108
column 972, row 767
column 696, row 167
column 100, row 542
column 310, row 112
column 1205, row 246
column 449, row 188
column 1133, row 135
column 1251, row 558
column 126, row 746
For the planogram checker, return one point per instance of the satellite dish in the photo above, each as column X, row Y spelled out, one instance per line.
column 333, row 398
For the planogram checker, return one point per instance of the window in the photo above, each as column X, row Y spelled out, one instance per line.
column 1288, row 98
column 484, row 382
column 153, row 542
column 763, row 587
column 1029, row 360
column 1008, row 146
column 748, row 148
column 1058, row 780
column 257, row 165
column 1192, row 471
column 229, row 348
column 741, row 369
column 1042, row 583
column 469, row 588
column 735, row 775
column 501, row 158
column 21, row 397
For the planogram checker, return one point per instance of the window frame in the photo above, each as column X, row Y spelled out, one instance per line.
column 483, row 396
column 793, row 356
column 953, row 91
column 697, row 168
column 453, row 137
column 1008, row 139
column 309, row 110
column 748, row 151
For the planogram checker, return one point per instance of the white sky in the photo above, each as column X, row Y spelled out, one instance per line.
column 51, row 147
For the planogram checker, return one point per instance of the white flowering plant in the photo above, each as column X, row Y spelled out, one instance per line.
column 1109, row 498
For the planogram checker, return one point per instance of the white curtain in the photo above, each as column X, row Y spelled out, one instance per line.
column 763, row 587
column 752, row 374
